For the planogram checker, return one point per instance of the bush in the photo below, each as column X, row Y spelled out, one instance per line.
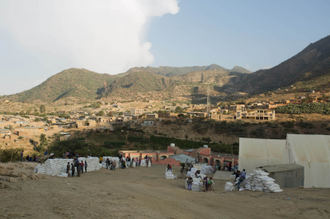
column 321, row 108
column 10, row 154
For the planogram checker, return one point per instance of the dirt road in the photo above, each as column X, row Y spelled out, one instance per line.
column 144, row 193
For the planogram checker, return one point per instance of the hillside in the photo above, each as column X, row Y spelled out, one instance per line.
column 74, row 83
column 84, row 85
column 137, row 82
column 310, row 63
column 308, row 69
column 208, row 76
column 177, row 71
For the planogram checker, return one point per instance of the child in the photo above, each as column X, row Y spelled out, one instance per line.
column 206, row 184
column 211, row 184
column 189, row 182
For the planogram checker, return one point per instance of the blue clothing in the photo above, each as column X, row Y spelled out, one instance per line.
column 243, row 174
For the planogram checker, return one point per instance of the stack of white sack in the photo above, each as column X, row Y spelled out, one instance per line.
column 104, row 159
column 197, row 184
column 144, row 163
column 207, row 169
column 197, row 181
column 57, row 167
column 192, row 172
column 260, row 181
column 169, row 174
column 229, row 186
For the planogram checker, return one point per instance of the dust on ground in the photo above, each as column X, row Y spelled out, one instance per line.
column 144, row 193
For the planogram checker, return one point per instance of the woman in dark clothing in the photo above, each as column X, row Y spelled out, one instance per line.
column 236, row 175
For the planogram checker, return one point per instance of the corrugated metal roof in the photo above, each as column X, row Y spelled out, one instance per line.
column 183, row 157
column 281, row 167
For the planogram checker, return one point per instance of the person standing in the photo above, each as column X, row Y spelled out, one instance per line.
column 189, row 182
column 211, row 184
column 85, row 166
column 114, row 165
column 110, row 164
column 78, row 169
column 22, row 155
column 182, row 170
column 82, row 166
column 68, row 169
column 206, row 184
column 72, row 169
column 107, row 163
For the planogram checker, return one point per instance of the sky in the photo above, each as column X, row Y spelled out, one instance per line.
column 41, row 38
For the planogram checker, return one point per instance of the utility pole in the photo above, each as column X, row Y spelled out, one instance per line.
column 207, row 99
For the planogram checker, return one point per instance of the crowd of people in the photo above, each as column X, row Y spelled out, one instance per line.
column 76, row 164
column 125, row 162
column 28, row 158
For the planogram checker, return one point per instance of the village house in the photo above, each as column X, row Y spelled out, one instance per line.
column 152, row 116
column 136, row 112
column 167, row 115
column 202, row 155
column 257, row 114
column 197, row 114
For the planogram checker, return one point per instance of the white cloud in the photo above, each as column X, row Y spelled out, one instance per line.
column 267, row 67
column 100, row 35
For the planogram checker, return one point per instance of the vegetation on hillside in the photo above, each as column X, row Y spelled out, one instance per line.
column 321, row 108
column 77, row 83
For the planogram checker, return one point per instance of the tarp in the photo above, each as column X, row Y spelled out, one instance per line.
column 312, row 152
column 259, row 152
column 183, row 157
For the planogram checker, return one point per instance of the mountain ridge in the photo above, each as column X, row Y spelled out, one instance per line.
column 171, row 82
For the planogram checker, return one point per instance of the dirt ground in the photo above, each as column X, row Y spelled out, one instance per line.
column 144, row 193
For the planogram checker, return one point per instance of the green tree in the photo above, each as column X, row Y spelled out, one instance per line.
column 100, row 113
column 110, row 114
column 42, row 143
column 178, row 109
column 42, row 109
column 186, row 136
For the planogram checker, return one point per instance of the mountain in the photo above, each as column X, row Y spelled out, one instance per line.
column 82, row 84
column 176, row 71
column 136, row 82
column 310, row 63
column 77, row 83
column 309, row 66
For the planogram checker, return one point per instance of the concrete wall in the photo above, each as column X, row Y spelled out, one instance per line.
column 289, row 179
